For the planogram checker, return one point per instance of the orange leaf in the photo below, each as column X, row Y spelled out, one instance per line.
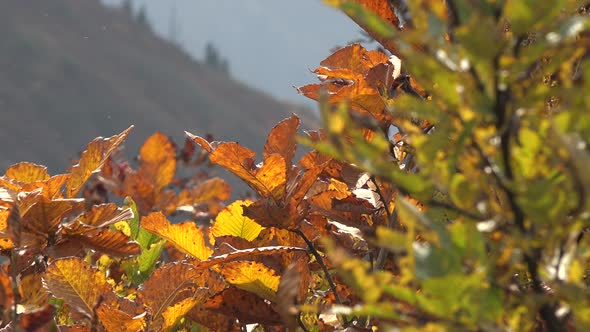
column 186, row 237
column 76, row 282
column 271, row 178
column 236, row 159
column 158, row 160
column 355, row 58
column 115, row 320
column 282, row 140
column 51, row 188
column 201, row 141
column 92, row 160
column 27, row 172
column 268, row 180
column 214, row 188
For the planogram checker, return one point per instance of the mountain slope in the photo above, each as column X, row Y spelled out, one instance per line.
column 72, row 70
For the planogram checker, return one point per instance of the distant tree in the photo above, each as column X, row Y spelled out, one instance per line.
column 127, row 7
column 214, row 60
column 212, row 57
column 142, row 17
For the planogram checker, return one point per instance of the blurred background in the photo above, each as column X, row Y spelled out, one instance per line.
column 71, row 70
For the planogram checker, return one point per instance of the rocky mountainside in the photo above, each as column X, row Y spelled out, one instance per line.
column 71, row 70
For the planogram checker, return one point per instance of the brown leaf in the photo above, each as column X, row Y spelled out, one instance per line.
column 104, row 215
column 157, row 158
column 113, row 243
column 245, row 306
column 45, row 215
column 169, row 285
column 92, row 160
column 35, row 320
column 214, row 321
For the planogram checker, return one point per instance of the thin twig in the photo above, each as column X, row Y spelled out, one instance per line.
column 320, row 261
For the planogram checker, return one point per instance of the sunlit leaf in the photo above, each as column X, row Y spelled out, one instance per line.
column 76, row 282
column 158, row 160
column 27, row 172
column 186, row 236
column 281, row 140
column 252, row 276
column 92, row 160
column 231, row 221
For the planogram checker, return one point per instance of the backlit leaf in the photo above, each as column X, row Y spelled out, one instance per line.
column 169, row 285
column 27, row 172
column 77, row 283
column 158, row 160
column 231, row 221
column 186, row 236
column 281, row 140
column 254, row 277
column 92, row 160
column 104, row 215
column 173, row 313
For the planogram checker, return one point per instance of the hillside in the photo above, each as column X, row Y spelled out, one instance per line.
column 72, row 70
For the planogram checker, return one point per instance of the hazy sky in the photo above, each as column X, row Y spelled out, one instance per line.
column 271, row 44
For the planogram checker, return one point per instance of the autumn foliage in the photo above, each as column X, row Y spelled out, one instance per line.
column 446, row 191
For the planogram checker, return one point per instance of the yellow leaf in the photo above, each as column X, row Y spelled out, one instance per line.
column 158, row 160
column 254, row 277
column 186, row 237
column 173, row 313
column 231, row 221
column 27, row 172
column 77, row 283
